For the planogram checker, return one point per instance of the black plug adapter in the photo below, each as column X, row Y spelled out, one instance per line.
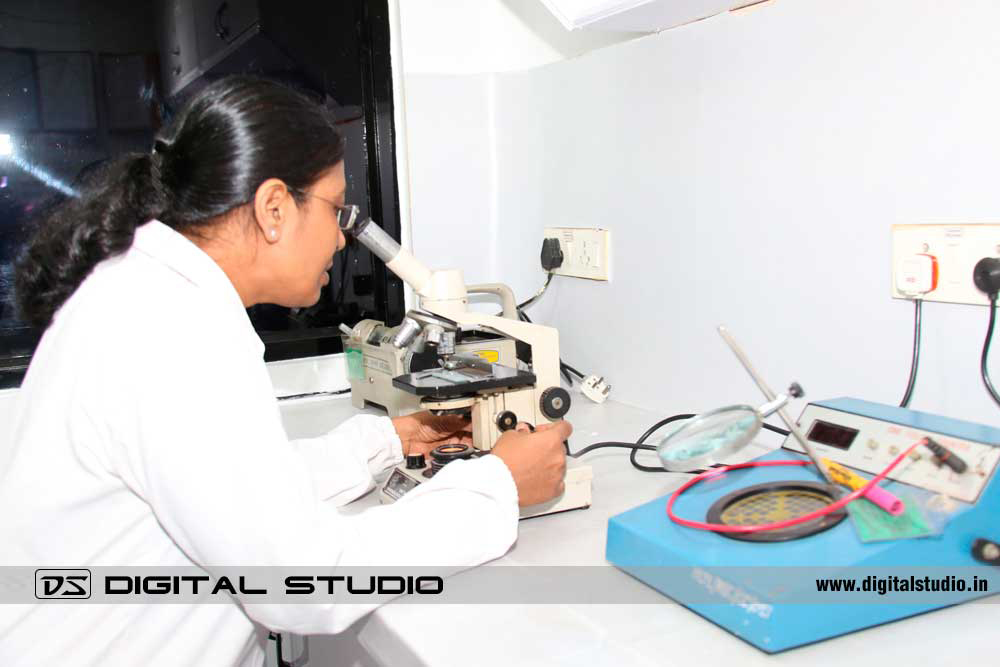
column 986, row 275
column 552, row 254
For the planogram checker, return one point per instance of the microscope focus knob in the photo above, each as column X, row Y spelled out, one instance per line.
column 555, row 402
column 415, row 461
column 506, row 421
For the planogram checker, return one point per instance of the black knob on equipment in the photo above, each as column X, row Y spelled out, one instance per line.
column 945, row 456
column 448, row 453
column 444, row 454
column 415, row 461
column 986, row 551
column 506, row 420
column 555, row 402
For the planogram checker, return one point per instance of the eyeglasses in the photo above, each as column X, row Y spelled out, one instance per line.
column 346, row 214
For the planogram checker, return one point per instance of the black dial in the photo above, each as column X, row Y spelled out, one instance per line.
column 555, row 402
column 506, row 420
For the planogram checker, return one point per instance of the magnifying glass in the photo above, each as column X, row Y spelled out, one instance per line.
column 714, row 436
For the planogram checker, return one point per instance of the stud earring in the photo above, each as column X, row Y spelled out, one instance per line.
column 274, row 232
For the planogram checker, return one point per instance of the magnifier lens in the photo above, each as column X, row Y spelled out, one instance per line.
column 708, row 438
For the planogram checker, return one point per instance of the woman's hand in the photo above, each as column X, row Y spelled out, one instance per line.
column 537, row 460
column 421, row 432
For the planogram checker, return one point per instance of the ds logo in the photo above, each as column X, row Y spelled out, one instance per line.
column 62, row 584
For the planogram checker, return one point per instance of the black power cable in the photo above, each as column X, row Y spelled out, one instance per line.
column 538, row 294
column 915, row 362
column 639, row 445
column 572, row 370
column 986, row 276
column 984, row 370
column 650, row 431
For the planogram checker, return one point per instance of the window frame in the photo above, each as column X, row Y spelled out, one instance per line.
column 373, row 35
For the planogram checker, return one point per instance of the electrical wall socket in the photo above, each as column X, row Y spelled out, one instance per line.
column 586, row 252
column 956, row 248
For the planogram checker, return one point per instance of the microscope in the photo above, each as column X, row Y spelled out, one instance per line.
column 443, row 357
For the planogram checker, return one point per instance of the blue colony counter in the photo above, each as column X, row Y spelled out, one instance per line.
column 766, row 592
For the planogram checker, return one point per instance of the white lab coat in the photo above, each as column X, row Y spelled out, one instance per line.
column 149, row 435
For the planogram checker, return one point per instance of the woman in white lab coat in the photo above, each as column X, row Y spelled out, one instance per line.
column 149, row 434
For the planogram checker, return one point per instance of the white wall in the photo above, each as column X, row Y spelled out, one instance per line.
column 452, row 169
column 450, row 53
column 476, row 36
column 750, row 167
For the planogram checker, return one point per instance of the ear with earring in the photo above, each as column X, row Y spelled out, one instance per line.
column 273, row 232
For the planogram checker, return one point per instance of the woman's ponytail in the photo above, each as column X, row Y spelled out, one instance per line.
column 85, row 230
column 231, row 136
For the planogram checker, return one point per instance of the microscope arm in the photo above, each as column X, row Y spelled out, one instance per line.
column 544, row 342
column 500, row 290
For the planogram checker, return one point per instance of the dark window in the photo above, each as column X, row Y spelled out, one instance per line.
column 84, row 82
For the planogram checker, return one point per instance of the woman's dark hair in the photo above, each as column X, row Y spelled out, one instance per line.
column 230, row 137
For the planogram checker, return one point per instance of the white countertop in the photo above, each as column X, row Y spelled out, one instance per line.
column 619, row 635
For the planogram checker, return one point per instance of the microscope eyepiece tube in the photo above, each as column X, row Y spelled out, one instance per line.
column 375, row 239
column 398, row 260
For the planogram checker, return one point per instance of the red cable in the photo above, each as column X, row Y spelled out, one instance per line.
column 777, row 525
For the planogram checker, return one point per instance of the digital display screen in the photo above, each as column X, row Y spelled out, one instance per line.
column 834, row 435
